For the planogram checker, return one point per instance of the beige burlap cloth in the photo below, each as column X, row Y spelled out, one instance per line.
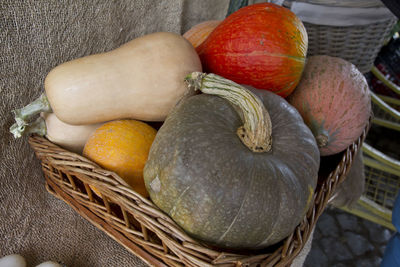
column 35, row 36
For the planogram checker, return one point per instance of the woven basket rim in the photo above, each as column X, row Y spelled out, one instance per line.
column 56, row 160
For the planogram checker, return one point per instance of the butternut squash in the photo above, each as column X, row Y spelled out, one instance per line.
column 143, row 79
column 70, row 137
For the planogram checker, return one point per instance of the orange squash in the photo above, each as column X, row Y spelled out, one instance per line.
column 262, row 45
column 198, row 33
column 122, row 146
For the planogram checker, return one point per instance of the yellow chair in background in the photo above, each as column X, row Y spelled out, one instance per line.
column 386, row 109
column 382, row 172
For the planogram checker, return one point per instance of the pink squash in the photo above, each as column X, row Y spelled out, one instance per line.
column 334, row 100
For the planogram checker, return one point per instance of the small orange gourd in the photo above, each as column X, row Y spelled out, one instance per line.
column 122, row 146
column 198, row 33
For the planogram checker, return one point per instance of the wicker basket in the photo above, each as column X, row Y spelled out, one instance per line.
column 137, row 224
column 358, row 44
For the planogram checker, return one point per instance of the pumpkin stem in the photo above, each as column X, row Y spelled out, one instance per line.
column 24, row 114
column 256, row 130
column 322, row 140
column 36, row 127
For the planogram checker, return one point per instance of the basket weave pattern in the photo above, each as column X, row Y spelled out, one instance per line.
column 359, row 45
column 137, row 224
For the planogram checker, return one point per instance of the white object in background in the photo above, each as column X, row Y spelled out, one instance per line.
column 13, row 260
column 278, row 2
column 342, row 3
column 319, row 13
column 49, row 264
column 339, row 16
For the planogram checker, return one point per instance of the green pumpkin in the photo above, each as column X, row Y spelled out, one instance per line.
column 234, row 168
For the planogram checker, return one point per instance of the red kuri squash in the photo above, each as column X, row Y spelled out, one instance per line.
column 199, row 32
column 334, row 101
column 263, row 45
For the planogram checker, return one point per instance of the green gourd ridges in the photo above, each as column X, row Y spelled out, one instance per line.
column 236, row 169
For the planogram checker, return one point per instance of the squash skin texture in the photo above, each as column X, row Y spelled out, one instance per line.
column 220, row 192
column 199, row 32
column 70, row 137
column 263, row 45
column 142, row 79
column 122, row 146
column 334, row 100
